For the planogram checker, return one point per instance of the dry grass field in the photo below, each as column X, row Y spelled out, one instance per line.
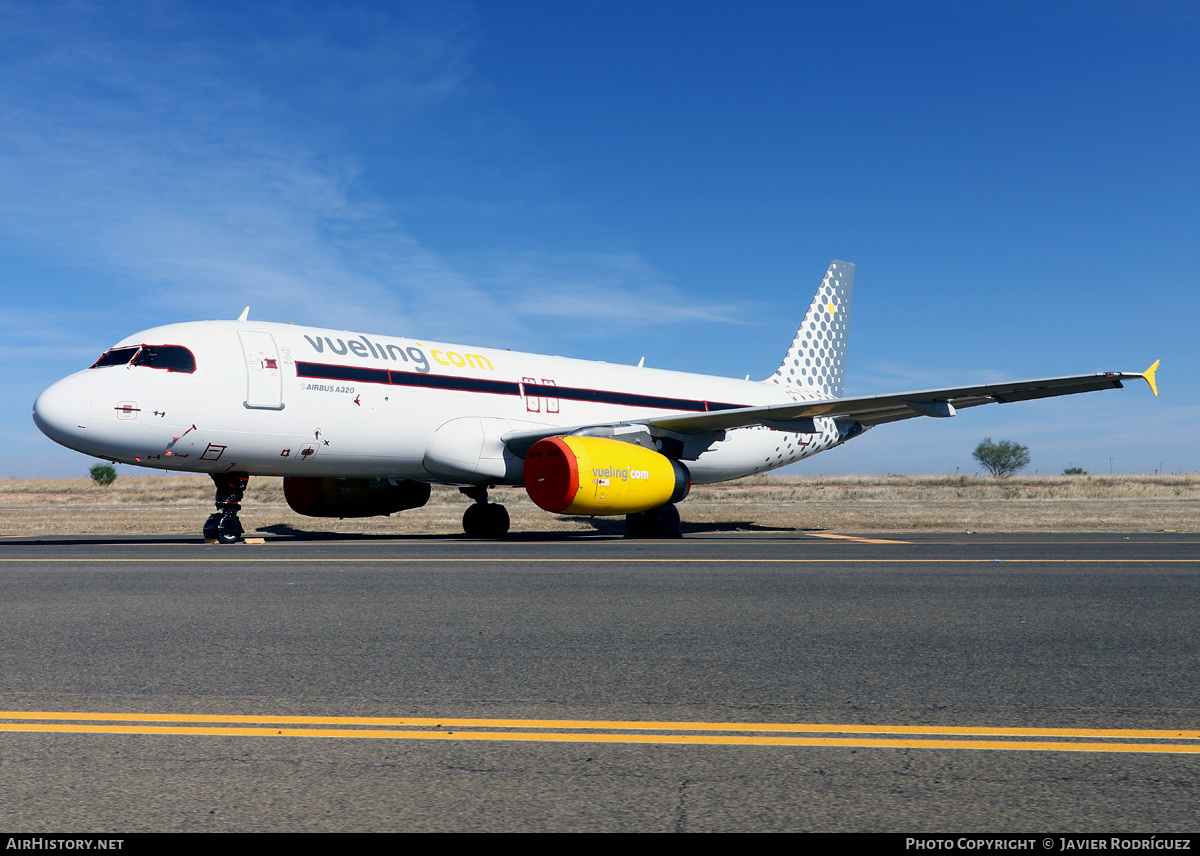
column 177, row 505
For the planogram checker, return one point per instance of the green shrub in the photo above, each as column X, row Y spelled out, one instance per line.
column 1001, row 459
column 1074, row 471
column 103, row 474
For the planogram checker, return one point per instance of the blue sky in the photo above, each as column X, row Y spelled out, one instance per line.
column 1017, row 183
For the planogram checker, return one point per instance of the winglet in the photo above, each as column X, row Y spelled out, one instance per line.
column 1148, row 374
column 246, row 313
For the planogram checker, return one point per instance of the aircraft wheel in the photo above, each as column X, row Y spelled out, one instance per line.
column 635, row 525
column 667, row 521
column 497, row 520
column 485, row 521
column 655, row 523
column 210, row 527
column 474, row 523
column 229, row 530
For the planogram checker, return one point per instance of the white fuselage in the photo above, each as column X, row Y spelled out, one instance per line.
column 277, row 399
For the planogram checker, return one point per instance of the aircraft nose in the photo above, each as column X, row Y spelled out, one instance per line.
column 63, row 411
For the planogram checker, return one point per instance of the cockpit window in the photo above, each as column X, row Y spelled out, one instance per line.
column 115, row 357
column 173, row 358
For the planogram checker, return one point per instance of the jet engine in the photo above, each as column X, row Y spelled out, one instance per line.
column 326, row 497
column 599, row 476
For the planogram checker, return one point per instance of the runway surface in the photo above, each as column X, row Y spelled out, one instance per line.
column 760, row 682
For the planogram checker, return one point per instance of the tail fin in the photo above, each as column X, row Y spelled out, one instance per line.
column 816, row 361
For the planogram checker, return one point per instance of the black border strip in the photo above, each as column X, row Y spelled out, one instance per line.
column 363, row 374
column 323, row 371
column 629, row 399
column 464, row 384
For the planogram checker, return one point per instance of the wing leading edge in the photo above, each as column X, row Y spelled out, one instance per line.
column 867, row 410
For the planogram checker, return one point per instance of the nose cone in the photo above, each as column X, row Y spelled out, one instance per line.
column 62, row 412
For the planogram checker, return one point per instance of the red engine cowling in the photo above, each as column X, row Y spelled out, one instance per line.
column 326, row 497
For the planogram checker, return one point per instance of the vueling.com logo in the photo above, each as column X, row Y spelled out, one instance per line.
column 399, row 353
column 623, row 475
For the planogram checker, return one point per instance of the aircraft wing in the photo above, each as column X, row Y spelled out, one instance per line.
column 867, row 410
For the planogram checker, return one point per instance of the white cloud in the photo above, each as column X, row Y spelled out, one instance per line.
column 188, row 170
column 162, row 162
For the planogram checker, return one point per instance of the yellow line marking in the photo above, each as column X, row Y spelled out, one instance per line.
column 855, row 538
column 610, row 724
column 578, row 737
column 588, row 731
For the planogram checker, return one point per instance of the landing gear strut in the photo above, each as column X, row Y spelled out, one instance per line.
column 224, row 526
column 662, row 522
column 483, row 519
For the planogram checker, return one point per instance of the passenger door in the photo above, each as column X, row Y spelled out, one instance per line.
column 264, row 379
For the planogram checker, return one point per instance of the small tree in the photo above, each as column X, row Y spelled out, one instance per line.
column 1001, row 459
column 1074, row 471
column 103, row 474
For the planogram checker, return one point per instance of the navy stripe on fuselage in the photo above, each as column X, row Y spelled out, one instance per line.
column 463, row 384
column 362, row 374
column 327, row 372
column 629, row 399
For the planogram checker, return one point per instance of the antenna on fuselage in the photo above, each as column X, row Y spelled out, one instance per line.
column 245, row 314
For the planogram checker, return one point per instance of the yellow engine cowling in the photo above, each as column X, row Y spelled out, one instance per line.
column 326, row 497
column 598, row 476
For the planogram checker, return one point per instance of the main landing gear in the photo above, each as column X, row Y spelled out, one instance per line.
column 483, row 519
column 662, row 522
column 224, row 526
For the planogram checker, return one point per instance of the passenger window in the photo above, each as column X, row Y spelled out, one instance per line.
column 173, row 358
column 115, row 357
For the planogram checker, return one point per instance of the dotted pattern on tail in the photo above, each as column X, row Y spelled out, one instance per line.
column 816, row 362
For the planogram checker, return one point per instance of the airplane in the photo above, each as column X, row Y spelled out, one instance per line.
column 361, row 425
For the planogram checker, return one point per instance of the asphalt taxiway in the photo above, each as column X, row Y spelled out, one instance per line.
column 774, row 681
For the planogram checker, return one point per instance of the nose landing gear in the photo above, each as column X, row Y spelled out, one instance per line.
column 224, row 526
column 483, row 519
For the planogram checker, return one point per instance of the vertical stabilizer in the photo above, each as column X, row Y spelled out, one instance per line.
column 816, row 361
